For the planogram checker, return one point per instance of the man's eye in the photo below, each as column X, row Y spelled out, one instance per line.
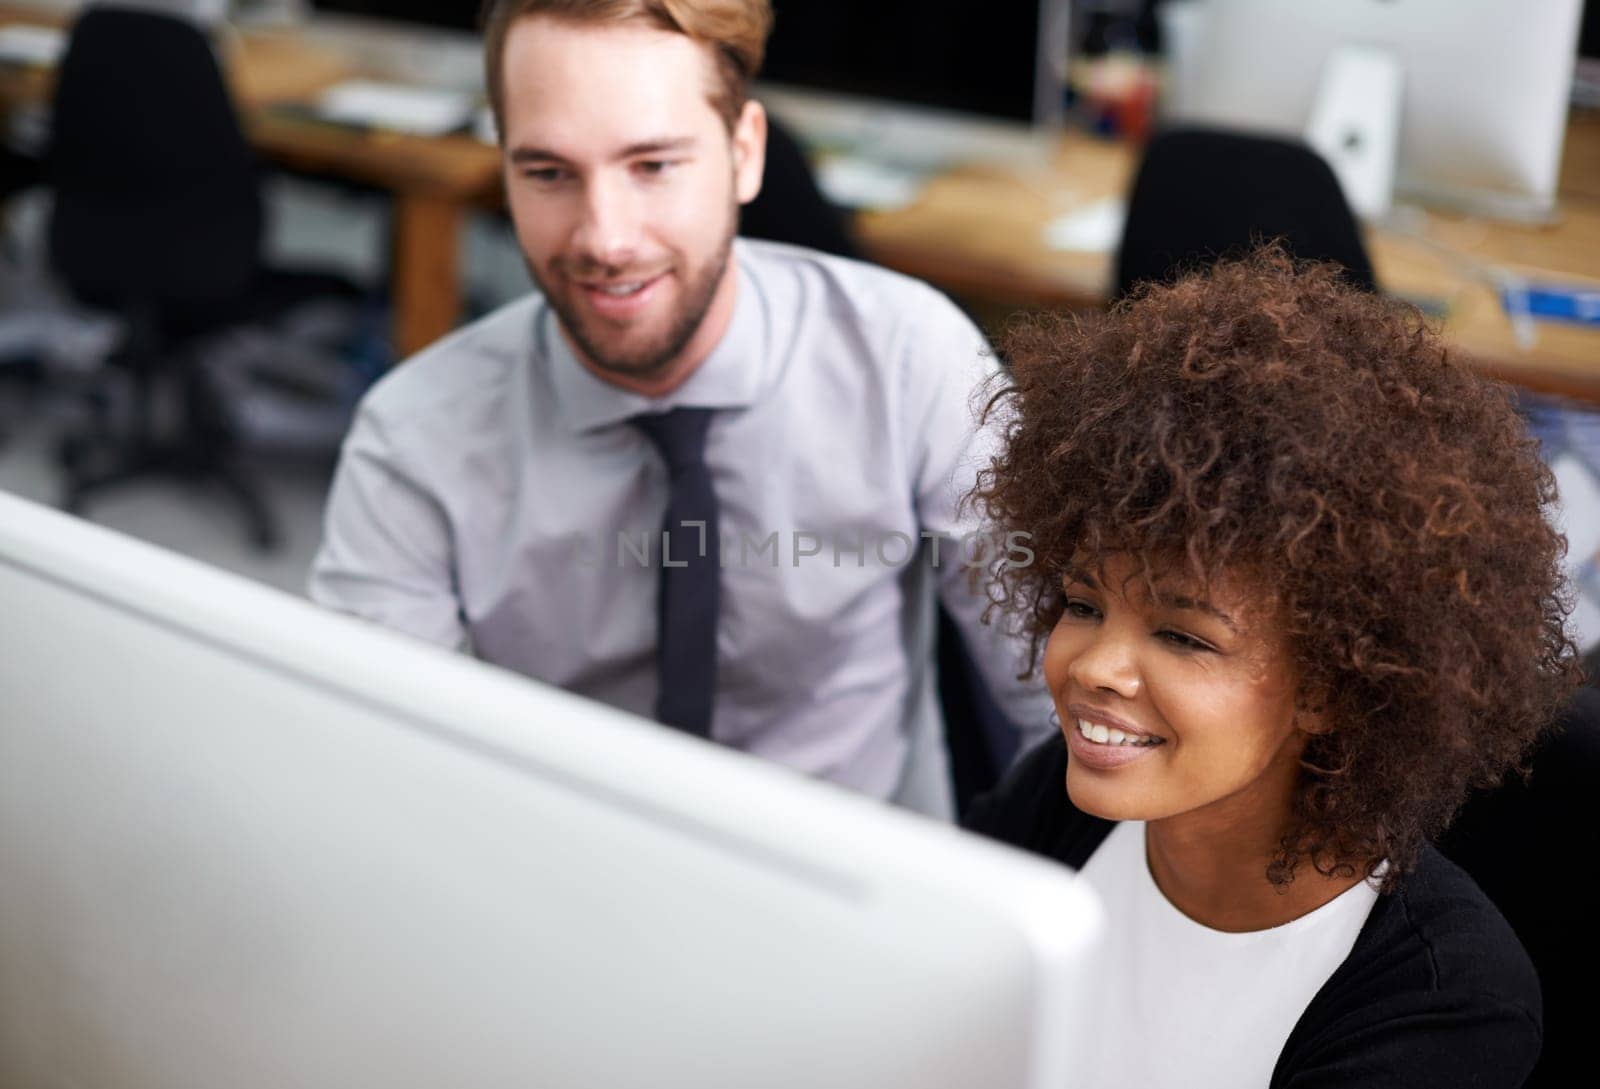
column 545, row 175
column 654, row 167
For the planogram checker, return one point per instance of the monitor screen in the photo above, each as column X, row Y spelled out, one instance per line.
column 245, row 842
column 1484, row 86
column 949, row 54
column 450, row 14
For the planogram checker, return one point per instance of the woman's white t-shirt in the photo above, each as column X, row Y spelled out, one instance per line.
column 1185, row 1005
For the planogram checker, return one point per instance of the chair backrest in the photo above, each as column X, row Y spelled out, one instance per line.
column 1530, row 847
column 157, row 201
column 1203, row 194
column 790, row 207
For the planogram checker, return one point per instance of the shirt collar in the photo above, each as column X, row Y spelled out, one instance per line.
column 730, row 377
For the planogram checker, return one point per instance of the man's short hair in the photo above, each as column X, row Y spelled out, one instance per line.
column 736, row 31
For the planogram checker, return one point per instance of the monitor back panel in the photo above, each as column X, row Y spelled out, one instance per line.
column 247, row 843
column 1485, row 83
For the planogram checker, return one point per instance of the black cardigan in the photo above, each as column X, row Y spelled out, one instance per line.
column 1437, row 991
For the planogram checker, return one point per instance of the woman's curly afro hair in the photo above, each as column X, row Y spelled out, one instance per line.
column 1268, row 419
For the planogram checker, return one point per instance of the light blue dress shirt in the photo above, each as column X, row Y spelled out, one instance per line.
column 491, row 495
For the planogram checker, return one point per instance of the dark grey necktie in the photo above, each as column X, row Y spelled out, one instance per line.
column 686, row 616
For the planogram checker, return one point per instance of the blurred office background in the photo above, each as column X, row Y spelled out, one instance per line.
column 1021, row 153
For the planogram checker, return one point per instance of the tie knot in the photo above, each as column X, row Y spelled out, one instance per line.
column 680, row 435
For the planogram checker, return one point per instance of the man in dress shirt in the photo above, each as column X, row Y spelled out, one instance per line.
column 499, row 492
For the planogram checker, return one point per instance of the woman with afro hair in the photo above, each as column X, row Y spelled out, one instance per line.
column 1295, row 592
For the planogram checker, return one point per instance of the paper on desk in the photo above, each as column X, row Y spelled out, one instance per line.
column 851, row 181
column 21, row 43
column 397, row 107
column 1094, row 228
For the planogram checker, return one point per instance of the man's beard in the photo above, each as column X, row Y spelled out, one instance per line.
column 648, row 360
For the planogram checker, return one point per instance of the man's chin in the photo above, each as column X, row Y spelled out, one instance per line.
column 635, row 368
column 626, row 360
column 643, row 345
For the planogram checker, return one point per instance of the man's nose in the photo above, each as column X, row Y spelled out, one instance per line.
column 608, row 231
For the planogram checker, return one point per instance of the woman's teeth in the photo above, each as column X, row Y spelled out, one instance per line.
column 1106, row 735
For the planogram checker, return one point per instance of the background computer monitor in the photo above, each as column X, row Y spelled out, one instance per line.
column 920, row 83
column 983, row 59
column 1486, row 86
column 247, row 843
column 450, row 14
column 1586, row 81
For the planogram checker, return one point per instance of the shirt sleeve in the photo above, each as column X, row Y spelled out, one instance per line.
column 1421, row 1040
column 950, row 374
column 386, row 551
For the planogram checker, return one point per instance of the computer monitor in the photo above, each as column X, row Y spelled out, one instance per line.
column 449, row 14
column 939, row 53
column 1586, row 80
column 921, row 82
column 1485, row 85
column 246, row 842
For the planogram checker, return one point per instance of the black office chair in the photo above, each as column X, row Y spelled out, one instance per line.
column 1203, row 194
column 790, row 207
column 158, row 217
column 17, row 173
column 1530, row 847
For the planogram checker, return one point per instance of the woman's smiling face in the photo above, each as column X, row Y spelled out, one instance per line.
column 1175, row 706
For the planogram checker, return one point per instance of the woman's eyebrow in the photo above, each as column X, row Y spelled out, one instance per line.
column 1172, row 601
column 1189, row 604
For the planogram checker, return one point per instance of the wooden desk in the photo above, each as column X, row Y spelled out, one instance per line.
column 435, row 182
column 978, row 233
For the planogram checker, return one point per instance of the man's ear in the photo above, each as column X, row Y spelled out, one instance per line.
column 749, row 151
